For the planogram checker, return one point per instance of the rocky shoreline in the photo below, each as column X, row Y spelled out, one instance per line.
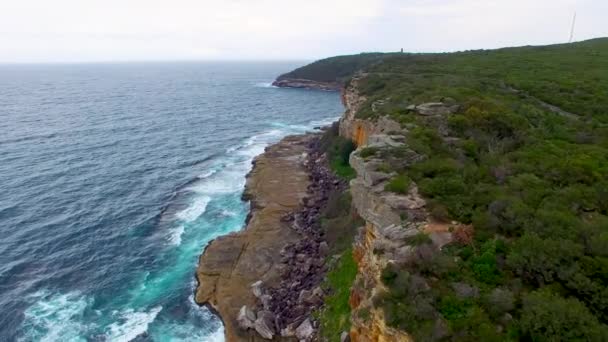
column 264, row 281
column 299, row 293
column 307, row 84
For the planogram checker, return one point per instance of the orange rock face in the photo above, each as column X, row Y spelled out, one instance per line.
column 368, row 324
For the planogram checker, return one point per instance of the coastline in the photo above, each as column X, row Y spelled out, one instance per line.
column 306, row 84
column 276, row 186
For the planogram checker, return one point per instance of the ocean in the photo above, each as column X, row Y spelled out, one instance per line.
column 114, row 177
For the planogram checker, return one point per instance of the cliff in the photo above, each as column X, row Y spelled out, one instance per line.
column 391, row 219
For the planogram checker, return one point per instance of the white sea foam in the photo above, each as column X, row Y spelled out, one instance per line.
column 194, row 210
column 216, row 336
column 55, row 317
column 227, row 213
column 207, row 174
column 265, row 85
column 132, row 324
column 175, row 238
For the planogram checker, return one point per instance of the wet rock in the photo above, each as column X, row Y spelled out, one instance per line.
column 246, row 318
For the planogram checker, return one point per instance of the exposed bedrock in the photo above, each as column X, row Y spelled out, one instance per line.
column 265, row 281
column 232, row 263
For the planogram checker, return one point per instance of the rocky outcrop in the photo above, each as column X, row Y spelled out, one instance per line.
column 435, row 108
column 359, row 130
column 230, row 264
column 307, row 84
column 299, row 292
column 391, row 219
column 265, row 281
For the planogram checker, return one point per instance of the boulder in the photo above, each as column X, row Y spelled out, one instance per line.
column 266, row 301
column 384, row 140
column 305, row 330
column 264, row 324
column 464, row 290
column 323, row 248
column 418, row 285
column 246, row 318
column 441, row 330
column 345, row 337
column 436, row 108
column 256, row 288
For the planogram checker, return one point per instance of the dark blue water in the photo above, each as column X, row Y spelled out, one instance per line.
column 114, row 177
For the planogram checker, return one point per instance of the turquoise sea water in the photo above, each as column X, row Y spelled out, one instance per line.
column 115, row 176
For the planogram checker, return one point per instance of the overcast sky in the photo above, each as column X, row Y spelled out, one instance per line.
column 131, row 30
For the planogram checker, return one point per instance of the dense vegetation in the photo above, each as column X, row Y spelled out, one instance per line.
column 334, row 69
column 529, row 179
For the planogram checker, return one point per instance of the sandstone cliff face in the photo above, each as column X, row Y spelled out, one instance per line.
column 390, row 219
column 232, row 263
column 359, row 130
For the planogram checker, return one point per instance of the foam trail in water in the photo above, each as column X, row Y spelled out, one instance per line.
column 195, row 210
column 133, row 324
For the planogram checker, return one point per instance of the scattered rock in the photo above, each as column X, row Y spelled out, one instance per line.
column 464, row 290
column 256, row 288
column 246, row 318
column 418, row 285
column 441, row 330
column 323, row 248
column 436, row 108
column 305, row 330
column 302, row 263
column 266, row 301
column 264, row 324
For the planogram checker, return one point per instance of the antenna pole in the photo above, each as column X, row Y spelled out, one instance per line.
column 572, row 28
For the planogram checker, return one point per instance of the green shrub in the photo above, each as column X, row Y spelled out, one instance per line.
column 368, row 152
column 549, row 317
column 399, row 184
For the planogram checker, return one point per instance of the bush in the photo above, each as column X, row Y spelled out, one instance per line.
column 368, row 152
column 399, row 184
column 549, row 317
